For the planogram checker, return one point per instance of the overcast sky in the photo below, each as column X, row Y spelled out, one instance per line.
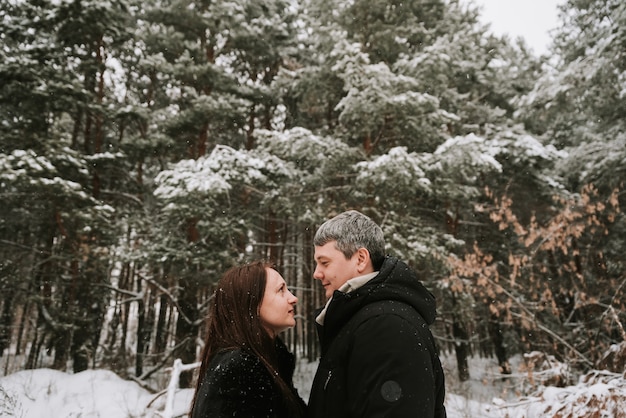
column 531, row 19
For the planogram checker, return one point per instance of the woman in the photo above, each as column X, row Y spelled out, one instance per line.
column 246, row 369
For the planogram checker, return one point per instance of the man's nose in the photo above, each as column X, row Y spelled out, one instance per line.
column 317, row 274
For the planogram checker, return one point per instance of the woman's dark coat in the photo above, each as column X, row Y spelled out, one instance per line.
column 378, row 355
column 237, row 384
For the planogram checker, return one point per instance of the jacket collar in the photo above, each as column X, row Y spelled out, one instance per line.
column 347, row 287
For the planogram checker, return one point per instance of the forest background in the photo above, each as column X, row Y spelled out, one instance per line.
column 145, row 147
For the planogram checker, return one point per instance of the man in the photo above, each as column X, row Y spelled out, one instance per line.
column 378, row 354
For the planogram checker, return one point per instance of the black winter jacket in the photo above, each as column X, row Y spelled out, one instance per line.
column 237, row 384
column 378, row 355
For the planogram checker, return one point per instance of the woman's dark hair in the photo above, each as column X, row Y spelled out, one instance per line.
column 234, row 323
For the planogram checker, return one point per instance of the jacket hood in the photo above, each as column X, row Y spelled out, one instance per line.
column 395, row 281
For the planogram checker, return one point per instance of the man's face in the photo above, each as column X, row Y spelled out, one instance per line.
column 332, row 268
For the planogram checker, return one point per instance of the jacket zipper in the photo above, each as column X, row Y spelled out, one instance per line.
column 330, row 373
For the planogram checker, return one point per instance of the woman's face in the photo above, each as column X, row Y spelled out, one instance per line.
column 277, row 308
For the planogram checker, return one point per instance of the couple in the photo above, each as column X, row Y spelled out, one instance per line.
column 378, row 354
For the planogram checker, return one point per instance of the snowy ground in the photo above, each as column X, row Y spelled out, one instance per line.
column 100, row 393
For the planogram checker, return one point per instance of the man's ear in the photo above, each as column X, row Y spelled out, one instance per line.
column 364, row 261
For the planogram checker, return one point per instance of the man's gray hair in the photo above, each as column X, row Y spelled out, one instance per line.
column 352, row 230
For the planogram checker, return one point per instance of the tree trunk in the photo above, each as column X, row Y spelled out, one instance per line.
column 497, row 336
column 90, row 302
column 461, row 350
column 61, row 343
column 35, row 349
column 22, row 327
column 144, row 337
column 6, row 320
column 461, row 345
column 313, row 301
column 161, row 327
column 186, row 330
column 141, row 319
column 125, row 283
